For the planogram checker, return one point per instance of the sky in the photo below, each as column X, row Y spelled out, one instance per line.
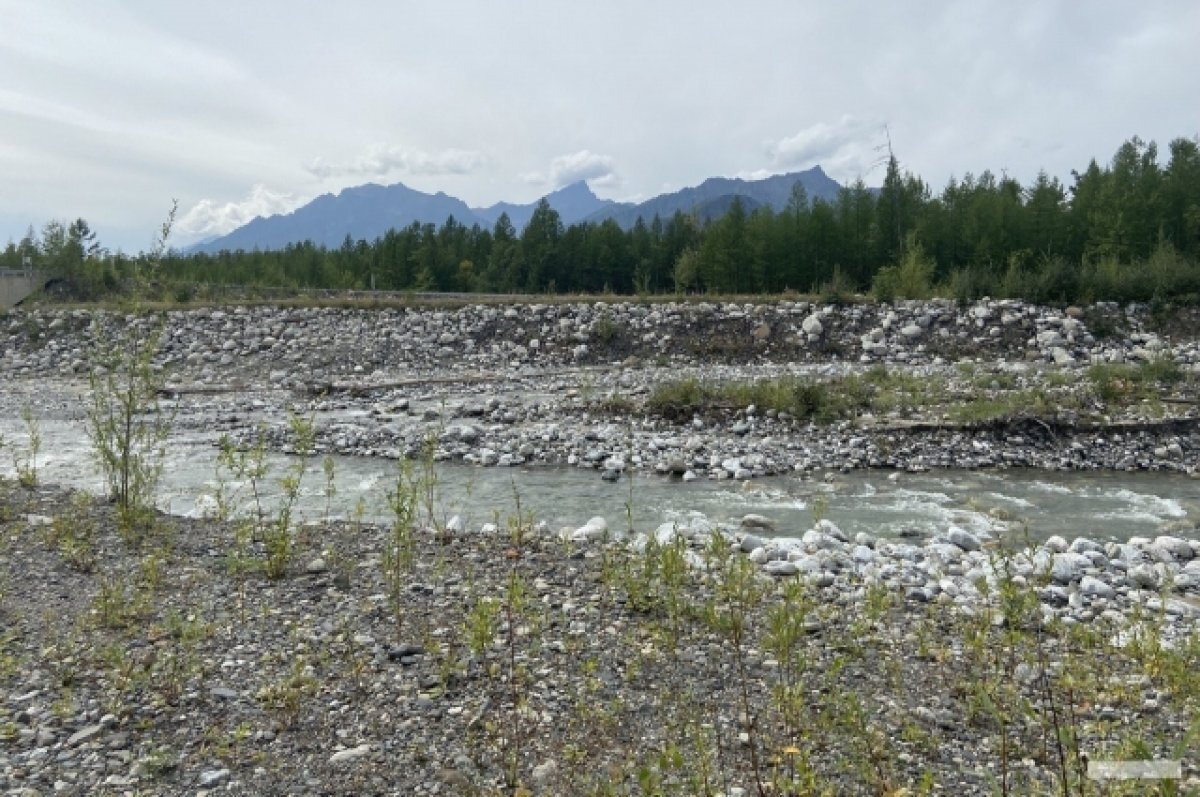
column 110, row 111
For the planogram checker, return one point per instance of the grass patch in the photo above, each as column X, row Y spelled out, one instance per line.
column 800, row 398
column 1123, row 384
column 878, row 391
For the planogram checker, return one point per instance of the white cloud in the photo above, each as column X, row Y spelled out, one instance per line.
column 610, row 180
column 846, row 148
column 385, row 159
column 211, row 217
column 757, row 174
column 583, row 165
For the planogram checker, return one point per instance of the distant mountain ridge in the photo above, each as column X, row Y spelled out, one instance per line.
column 365, row 211
column 368, row 211
column 773, row 191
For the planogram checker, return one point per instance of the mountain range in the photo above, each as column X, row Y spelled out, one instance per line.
column 368, row 211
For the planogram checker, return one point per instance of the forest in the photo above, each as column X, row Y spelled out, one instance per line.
column 1125, row 231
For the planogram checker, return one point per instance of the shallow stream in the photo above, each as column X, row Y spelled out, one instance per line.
column 1101, row 505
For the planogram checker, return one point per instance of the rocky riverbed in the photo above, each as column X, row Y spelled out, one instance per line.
column 567, row 384
column 574, row 660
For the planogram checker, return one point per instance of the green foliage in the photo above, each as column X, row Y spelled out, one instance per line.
column 252, row 518
column 839, row 289
column 911, row 278
column 972, row 399
column 125, row 424
column 482, row 624
column 653, row 580
column 400, row 547
column 25, row 463
column 1123, row 384
column 286, row 696
column 604, row 329
column 73, row 535
column 802, row 398
column 118, row 602
column 278, row 535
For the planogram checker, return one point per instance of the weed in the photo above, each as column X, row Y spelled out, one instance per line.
column 26, row 466
column 615, row 404
column 516, row 598
column 399, row 551
column 1125, row 384
column 653, row 580
column 329, row 467
column 251, row 524
column 249, row 467
column 801, row 398
column 73, row 534
column 481, row 624
column 786, row 630
column 278, row 534
column 838, row 289
column 118, row 604
column 286, row 696
column 159, row 761
column 604, row 328
column 737, row 594
column 818, row 507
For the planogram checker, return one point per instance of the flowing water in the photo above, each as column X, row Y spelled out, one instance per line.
column 1100, row 505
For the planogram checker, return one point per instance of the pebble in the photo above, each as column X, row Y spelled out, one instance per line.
column 211, row 777
column 350, row 754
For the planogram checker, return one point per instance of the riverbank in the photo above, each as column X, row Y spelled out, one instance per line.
column 598, row 386
column 169, row 663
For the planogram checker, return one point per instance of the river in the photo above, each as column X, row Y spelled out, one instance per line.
column 1016, row 502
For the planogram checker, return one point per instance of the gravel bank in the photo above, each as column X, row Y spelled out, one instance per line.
column 154, row 669
column 566, row 384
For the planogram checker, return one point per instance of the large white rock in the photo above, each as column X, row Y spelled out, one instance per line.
column 963, row 538
column 753, row 521
column 596, row 528
column 780, row 567
column 1068, row 567
column 1049, row 339
column 1179, row 548
column 1095, row 588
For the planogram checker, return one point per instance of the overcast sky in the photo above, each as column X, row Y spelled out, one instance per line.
column 108, row 110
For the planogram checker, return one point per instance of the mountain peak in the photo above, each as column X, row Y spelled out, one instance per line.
column 579, row 188
column 573, row 202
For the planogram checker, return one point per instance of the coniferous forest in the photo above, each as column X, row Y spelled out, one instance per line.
column 1128, row 230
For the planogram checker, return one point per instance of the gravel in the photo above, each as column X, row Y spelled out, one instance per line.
column 158, row 669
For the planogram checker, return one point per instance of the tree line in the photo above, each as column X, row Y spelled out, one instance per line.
column 1128, row 230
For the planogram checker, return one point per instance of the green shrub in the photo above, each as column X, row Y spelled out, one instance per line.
column 126, row 426
column 911, row 278
column 838, row 289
